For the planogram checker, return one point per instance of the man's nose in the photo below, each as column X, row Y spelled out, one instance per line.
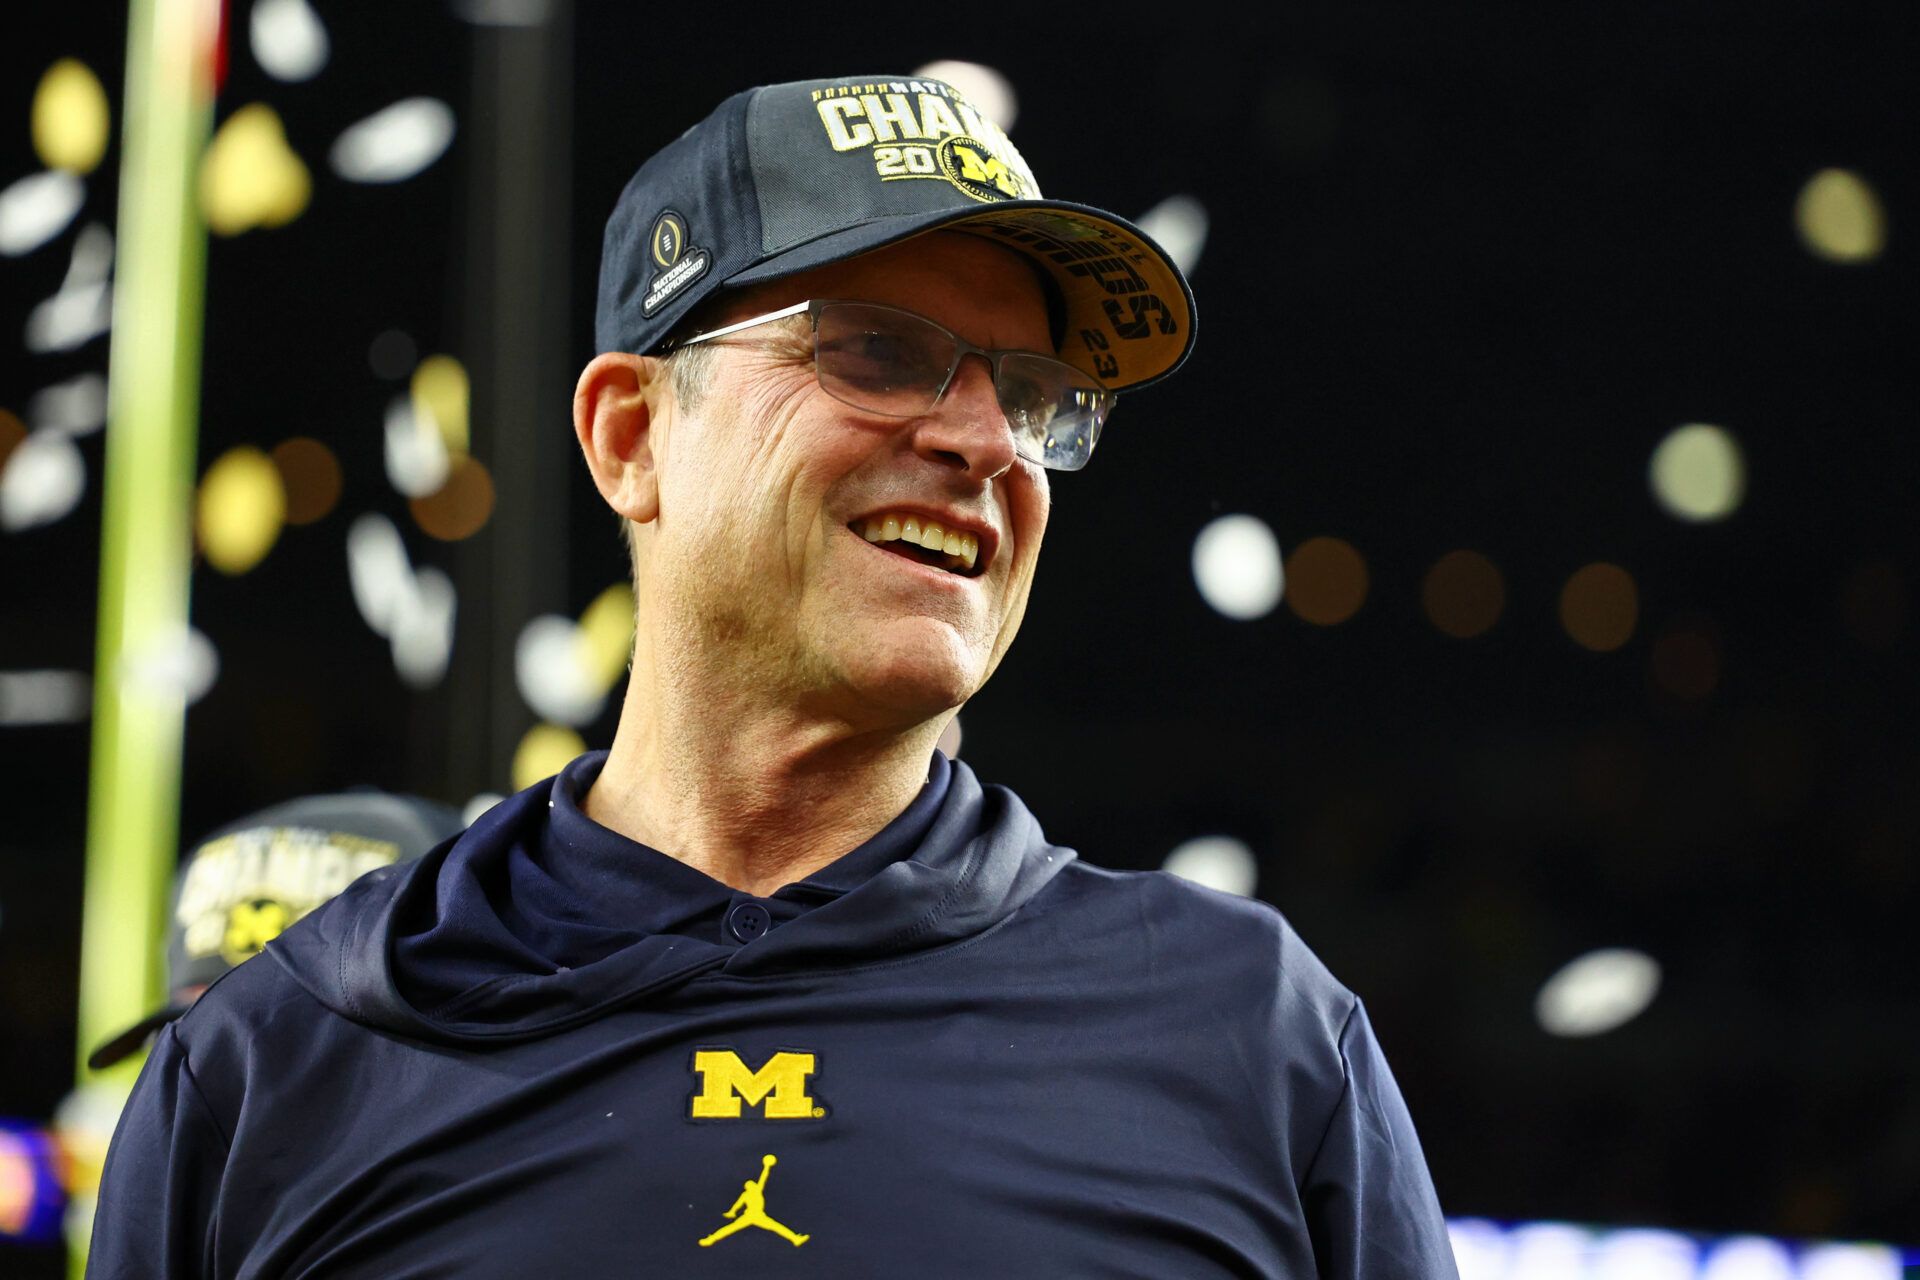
column 968, row 429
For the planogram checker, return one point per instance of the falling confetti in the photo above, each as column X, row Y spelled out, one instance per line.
column 36, row 209
column 289, row 41
column 544, row 751
column 459, row 508
column 242, row 507
column 415, row 611
column 394, row 144
column 83, row 307
column 1179, row 224
column 181, row 663
column 71, row 122
column 44, row 479
column 416, row 453
column 251, row 177
column 440, row 396
column 76, row 407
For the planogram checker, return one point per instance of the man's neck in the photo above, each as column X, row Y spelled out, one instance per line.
column 756, row 797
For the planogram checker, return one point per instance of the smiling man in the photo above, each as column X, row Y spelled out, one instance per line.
column 845, row 347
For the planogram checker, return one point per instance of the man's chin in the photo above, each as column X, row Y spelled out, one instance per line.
column 913, row 678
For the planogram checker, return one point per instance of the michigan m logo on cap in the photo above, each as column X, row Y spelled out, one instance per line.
column 778, row 1088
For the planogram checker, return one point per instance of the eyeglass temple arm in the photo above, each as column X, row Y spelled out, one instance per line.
column 724, row 330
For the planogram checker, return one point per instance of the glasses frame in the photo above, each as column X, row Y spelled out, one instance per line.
column 812, row 308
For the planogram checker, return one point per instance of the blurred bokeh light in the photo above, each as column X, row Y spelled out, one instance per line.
column 1548, row 1251
column 1697, row 472
column 1486, row 1250
column 251, row 177
column 551, row 663
column 43, row 697
column 1463, row 594
column 1748, row 1258
column 241, row 508
column 76, row 407
column 44, row 478
column 1597, row 992
column 179, row 662
column 12, row 433
column 1236, row 565
column 1840, row 217
column 311, row 476
column 36, row 208
column 988, row 90
column 82, row 308
column 416, row 452
column 606, row 628
column 459, row 508
column 1599, row 607
column 71, row 120
column 566, row 668
column 288, row 39
column 413, row 609
column 544, row 751
column 1326, row 581
column 1179, row 225
column 1218, row 862
column 395, row 143
column 1851, row 1262
column 1645, row 1255
column 440, row 396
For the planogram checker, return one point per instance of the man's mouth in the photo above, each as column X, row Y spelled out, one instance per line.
column 918, row 538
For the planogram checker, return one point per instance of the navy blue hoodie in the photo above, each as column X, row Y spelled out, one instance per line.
column 545, row 1050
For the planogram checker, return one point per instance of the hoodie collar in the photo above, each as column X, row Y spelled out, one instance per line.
column 978, row 858
column 649, row 892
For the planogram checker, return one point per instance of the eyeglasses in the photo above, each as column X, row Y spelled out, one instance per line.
column 897, row 364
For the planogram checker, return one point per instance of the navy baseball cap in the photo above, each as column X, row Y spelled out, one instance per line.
column 252, row 878
column 791, row 176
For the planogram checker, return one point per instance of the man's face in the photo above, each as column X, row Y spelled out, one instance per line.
column 766, row 484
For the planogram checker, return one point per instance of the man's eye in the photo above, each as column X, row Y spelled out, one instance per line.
column 875, row 359
column 882, row 348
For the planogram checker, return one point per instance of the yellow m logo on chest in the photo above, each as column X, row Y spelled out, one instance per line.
column 778, row 1088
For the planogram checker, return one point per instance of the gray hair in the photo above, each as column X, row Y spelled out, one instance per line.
column 691, row 371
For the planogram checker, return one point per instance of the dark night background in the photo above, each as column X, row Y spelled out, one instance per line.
column 1466, row 267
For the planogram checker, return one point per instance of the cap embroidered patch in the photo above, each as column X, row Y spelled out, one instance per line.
column 925, row 129
column 680, row 263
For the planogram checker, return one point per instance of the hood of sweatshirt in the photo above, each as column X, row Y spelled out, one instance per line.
column 980, row 859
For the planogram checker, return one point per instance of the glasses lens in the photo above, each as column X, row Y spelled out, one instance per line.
column 1055, row 410
column 881, row 360
column 895, row 363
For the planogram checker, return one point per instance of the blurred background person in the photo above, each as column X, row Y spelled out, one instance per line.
column 244, row 884
column 235, row 892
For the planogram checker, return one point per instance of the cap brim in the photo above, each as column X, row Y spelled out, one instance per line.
column 1129, row 309
column 131, row 1040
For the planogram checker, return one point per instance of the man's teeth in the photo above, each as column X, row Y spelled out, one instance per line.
column 964, row 546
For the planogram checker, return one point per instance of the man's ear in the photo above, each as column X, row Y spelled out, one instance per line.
column 616, row 410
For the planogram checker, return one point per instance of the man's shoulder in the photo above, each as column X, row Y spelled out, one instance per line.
column 253, row 998
column 1244, row 940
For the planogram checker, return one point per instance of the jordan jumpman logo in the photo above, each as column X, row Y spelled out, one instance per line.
column 750, row 1210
